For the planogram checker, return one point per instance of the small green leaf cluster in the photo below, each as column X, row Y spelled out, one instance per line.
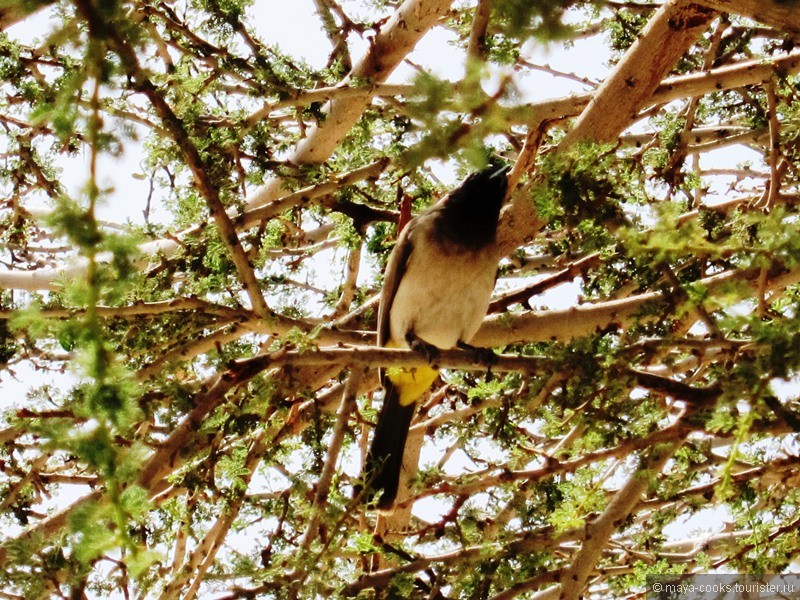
column 588, row 192
column 624, row 29
column 542, row 20
column 456, row 120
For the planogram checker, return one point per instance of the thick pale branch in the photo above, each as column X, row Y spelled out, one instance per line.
column 15, row 11
column 140, row 309
column 374, row 357
column 630, row 87
column 587, row 319
column 477, row 34
column 782, row 15
column 350, row 284
column 736, row 75
column 392, row 44
column 325, row 94
column 573, row 580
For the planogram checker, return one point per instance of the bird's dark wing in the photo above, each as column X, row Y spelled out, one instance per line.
column 385, row 457
column 395, row 268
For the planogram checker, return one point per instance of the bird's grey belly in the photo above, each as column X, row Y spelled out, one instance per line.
column 447, row 300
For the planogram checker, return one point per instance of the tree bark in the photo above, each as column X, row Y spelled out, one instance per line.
column 783, row 16
column 396, row 39
column 668, row 34
column 14, row 12
column 576, row 321
column 629, row 88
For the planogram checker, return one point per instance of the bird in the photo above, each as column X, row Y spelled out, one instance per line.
column 437, row 286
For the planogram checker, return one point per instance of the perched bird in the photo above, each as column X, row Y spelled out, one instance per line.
column 436, row 291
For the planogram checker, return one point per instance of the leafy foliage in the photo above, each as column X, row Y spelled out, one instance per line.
column 191, row 387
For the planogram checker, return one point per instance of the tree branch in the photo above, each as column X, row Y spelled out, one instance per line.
column 783, row 16
column 573, row 579
column 207, row 188
column 13, row 12
column 577, row 321
column 668, row 34
column 477, row 34
column 394, row 41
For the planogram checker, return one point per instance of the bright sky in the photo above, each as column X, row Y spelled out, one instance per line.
column 294, row 27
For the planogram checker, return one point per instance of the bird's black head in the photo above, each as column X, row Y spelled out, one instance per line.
column 470, row 212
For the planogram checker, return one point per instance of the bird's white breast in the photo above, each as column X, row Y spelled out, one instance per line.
column 442, row 297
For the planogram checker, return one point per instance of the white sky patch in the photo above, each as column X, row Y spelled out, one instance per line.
column 294, row 27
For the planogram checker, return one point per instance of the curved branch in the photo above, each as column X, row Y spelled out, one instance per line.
column 668, row 34
column 783, row 16
column 573, row 579
column 586, row 319
column 394, row 41
column 12, row 13
column 629, row 88
column 392, row 44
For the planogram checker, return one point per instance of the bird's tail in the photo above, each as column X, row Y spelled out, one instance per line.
column 385, row 457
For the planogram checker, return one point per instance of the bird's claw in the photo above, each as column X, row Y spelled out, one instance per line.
column 417, row 344
column 483, row 355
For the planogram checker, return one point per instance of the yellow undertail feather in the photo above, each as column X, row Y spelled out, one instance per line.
column 411, row 382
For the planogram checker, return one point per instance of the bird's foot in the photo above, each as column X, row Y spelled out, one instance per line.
column 420, row 346
column 483, row 355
